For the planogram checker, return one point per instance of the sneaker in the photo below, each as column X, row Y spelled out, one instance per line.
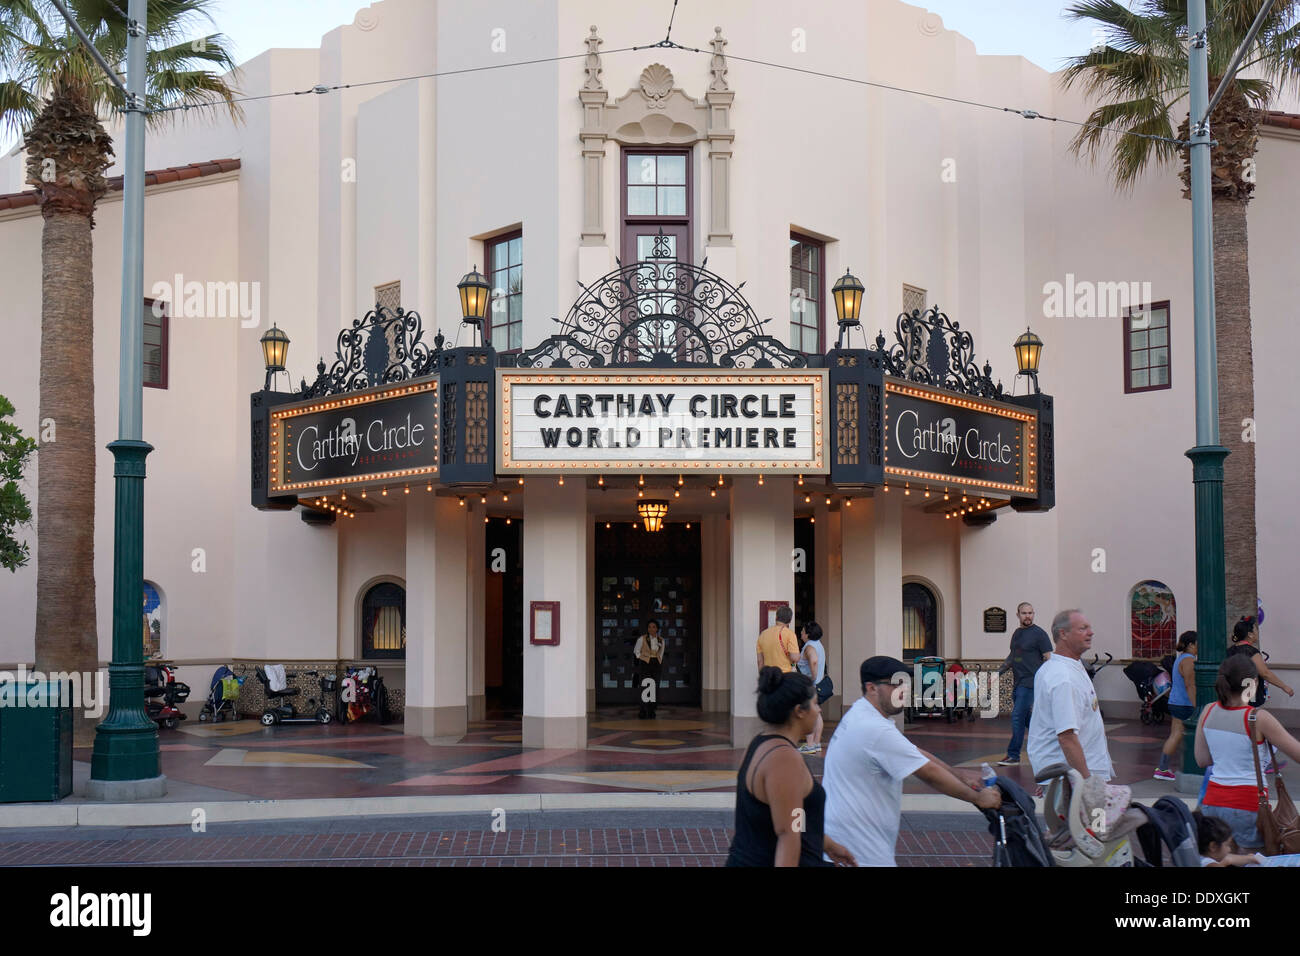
column 809, row 748
column 1009, row 762
column 1038, row 792
column 1163, row 775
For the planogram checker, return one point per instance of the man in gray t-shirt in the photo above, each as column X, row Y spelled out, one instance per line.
column 1030, row 647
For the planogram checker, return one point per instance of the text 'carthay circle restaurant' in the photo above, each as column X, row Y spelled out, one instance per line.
column 780, row 344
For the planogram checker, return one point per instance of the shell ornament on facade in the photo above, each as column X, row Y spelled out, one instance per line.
column 656, row 84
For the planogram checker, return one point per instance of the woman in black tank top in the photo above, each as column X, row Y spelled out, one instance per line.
column 779, row 806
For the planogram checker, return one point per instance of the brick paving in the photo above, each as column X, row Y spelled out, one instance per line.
column 608, row 846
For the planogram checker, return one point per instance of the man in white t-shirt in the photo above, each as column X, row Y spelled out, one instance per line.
column 869, row 758
column 1067, row 726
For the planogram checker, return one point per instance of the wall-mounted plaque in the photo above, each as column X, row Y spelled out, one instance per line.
column 545, row 622
column 767, row 613
column 995, row 620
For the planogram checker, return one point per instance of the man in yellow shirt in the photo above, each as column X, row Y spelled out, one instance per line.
column 777, row 645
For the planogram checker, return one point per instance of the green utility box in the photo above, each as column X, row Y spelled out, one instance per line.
column 35, row 741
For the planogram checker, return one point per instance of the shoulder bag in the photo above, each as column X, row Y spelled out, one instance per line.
column 1279, row 827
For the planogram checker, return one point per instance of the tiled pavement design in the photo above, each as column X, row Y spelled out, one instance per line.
column 684, row 751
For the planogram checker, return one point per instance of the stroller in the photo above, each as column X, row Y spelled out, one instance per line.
column 222, row 694
column 1153, row 685
column 927, row 691
column 1138, row 837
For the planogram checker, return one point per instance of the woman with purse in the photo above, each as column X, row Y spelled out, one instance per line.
column 1230, row 735
column 812, row 662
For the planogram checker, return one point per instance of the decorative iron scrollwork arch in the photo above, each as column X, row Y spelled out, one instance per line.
column 932, row 349
column 661, row 312
column 382, row 347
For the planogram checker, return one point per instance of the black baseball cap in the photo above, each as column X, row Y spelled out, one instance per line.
column 881, row 669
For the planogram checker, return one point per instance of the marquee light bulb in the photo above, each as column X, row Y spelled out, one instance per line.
column 521, row 480
column 719, row 481
column 429, row 486
column 812, row 520
column 801, row 481
column 848, row 502
column 407, row 490
column 676, row 493
column 607, row 525
column 363, row 492
column 807, row 499
column 461, row 502
column 760, row 478
column 483, row 500
column 485, row 520
column 927, row 492
column 688, row 526
column 505, row 498
column 561, row 481
column 343, row 496
column 945, row 494
column 640, row 494
column 681, row 480
column 507, row 521
column 713, row 492
column 385, row 494
column 641, row 480
column 601, row 481
column 828, row 501
column 907, row 489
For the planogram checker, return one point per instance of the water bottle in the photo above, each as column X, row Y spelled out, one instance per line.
column 987, row 775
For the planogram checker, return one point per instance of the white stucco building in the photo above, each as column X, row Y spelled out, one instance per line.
column 338, row 196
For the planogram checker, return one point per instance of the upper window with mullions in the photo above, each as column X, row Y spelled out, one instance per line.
column 656, row 184
column 1146, row 348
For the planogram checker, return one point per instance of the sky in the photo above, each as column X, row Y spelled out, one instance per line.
column 1033, row 29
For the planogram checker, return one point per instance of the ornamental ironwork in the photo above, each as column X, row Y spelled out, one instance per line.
column 382, row 347
column 660, row 312
column 932, row 349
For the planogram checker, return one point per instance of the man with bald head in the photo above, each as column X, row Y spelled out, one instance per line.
column 1067, row 726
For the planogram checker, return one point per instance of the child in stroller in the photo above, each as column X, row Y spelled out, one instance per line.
column 1153, row 684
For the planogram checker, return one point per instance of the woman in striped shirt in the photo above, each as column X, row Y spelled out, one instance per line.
column 1224, row 736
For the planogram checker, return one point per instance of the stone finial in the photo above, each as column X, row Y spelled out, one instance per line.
column 593, row 62
column 718, row 63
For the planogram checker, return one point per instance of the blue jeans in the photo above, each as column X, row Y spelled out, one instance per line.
column 1022, row 708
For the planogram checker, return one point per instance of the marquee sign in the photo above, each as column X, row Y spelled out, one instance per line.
column 384, row 433
column 933, row 436
column 708, row 420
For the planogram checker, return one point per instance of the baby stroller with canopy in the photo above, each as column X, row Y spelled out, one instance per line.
column 222, row 694
column 1153, row 685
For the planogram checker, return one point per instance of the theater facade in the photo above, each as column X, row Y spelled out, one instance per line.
column 466, row 506
column 659, row 458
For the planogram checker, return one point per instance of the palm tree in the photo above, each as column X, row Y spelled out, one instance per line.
column 55, row 95
column 1140, row 76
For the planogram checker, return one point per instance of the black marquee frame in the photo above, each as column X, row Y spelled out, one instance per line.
column 656, row 314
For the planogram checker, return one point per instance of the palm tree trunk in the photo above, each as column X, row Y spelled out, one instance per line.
column 1236, row 371
column 66, row 635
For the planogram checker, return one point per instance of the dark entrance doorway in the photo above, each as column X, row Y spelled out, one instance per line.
column 643, row 576
column 504, row 621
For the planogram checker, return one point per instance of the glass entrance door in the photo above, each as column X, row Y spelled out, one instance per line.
column 643, row 576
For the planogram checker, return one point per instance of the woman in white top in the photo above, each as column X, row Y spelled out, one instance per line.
column 1224, row 737
column 812, row 662
column 649, row 654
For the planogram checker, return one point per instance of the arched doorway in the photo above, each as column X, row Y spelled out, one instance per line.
column 920, row 621
column 383, row 622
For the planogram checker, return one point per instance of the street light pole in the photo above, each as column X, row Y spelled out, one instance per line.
column 1207, row 457
column 125, row 762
